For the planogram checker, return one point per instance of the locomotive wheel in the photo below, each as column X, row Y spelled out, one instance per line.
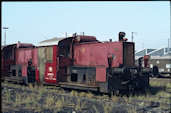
column 155, row 72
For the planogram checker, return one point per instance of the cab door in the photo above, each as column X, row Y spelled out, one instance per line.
column 51, row 64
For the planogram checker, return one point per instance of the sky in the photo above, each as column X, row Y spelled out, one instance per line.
column 32, row 22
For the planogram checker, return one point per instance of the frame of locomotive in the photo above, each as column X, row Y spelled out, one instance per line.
column 78, row 62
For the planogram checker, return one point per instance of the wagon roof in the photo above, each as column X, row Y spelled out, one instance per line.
column 53, row 41
column 3, row 46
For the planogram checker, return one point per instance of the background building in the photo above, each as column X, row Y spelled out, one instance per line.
column 158, row 57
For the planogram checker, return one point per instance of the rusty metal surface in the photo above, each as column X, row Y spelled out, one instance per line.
column 16, row 70
column 14, row 55
column 37, row 75
column 6, row 66
column 128, row 54
column 24, row 70
column 101, row 74
column 65, row 58
column 22, row 56
column 82, row 75
column 96, row 54
column 7, row 59
column 82, row 38
column 24, row 45
column 41, row 63
column 78, row 86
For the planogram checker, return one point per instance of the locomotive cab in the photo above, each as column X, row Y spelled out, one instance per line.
column 15, row 62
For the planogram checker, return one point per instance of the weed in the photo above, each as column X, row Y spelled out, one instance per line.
column 107, row 107
column 82, row 94
column 27, row 101
column 163, row 94
column 38, row 109
column 76, row 93
column 105, row 97
column 59, row 104
column 49, row 101
column 72, row 93
column 89, row 95
column 95, row 108
column 17, row 100
column 80, row 106
column 31, row 87
column 126, row 99
column 114, row 98
column 8, row 95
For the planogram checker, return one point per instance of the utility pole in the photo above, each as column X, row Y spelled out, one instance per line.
column 81, row 33
column 168, row 46
column 65, row 34
column 169, row 43
column 142, row 45
column 5, row 34
column 133, row 36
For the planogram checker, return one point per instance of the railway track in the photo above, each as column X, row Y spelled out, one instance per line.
column 121, row 102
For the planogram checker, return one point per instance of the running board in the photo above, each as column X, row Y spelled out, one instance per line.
column 78, row 86
column 15, row 79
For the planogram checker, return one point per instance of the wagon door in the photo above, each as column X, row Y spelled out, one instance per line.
column 41, row 63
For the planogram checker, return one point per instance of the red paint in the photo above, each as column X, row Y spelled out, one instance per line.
column 24, row 71
column 82, row 38
column 51, row 68
column 24, row 45
column 95, row 54
column 27, row 55
column 24, row 55
column 35, row 56
column 37, row 75
column 101, row 74
column 50, row 73
column 146, row 61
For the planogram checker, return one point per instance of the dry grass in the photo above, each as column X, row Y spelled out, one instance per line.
column 49, row 102
column 89, row 95
column 80, row 106
column 32, row 100
column 114, row 98
column 107, row 107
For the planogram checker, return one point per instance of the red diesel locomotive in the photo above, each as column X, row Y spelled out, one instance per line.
column 77, row 62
